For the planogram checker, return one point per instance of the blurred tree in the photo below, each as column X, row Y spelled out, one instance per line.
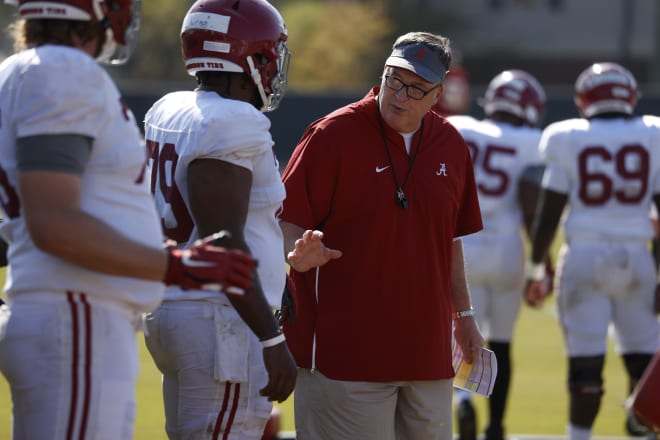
column 7, row 15
column 159, row 48
column 335, row 45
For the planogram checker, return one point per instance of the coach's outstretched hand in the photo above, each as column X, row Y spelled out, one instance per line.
column 282, row 373
column 310, row 252
column 209, row 267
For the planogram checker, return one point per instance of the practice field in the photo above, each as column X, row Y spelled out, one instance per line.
column 538, row 396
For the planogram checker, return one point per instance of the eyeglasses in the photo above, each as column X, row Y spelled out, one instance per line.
column 413, row 92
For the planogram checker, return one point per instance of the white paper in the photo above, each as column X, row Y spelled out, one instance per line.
column 477, row 377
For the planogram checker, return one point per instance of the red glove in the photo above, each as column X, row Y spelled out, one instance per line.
column 208, row 267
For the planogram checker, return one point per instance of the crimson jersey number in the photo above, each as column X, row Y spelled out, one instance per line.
column 163, row 165
column 488, row 163
column 630, row 164
column 8, row 197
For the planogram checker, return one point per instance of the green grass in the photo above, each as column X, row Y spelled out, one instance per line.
column 537, row 403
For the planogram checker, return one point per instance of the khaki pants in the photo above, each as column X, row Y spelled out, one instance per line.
column 327, row 409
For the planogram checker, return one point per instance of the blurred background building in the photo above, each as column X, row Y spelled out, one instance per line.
column 339, row 46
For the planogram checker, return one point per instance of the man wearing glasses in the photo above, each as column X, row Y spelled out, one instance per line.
column 378, row 195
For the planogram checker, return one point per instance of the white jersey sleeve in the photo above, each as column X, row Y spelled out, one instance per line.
column 56, row 98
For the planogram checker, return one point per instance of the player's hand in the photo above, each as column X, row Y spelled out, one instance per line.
column 468, row 336
column 209, row 267
column 310, row 252
column 535, row 293
column 282, row 373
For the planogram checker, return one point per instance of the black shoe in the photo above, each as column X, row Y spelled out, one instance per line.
column 467, row 421
column 635, row 428
column 494, row 433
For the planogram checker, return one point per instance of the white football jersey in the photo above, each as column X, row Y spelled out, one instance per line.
column 184, row 126
column 500, row 154
column 610, row 170
column 60, row 90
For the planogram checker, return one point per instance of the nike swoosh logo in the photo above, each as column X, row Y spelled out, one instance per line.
column 380, row 170
column 187, row 261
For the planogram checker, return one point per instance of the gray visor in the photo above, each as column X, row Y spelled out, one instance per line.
column 418, row 59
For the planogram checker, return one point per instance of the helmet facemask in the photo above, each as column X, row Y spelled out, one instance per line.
column 121, row 30
column 271, row 93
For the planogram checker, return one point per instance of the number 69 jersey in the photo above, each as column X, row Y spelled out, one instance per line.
column 610, row 170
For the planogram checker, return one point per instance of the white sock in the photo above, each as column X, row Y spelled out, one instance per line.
column 578, row 433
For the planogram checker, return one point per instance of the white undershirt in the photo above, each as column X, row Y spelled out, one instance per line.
column 407, row 139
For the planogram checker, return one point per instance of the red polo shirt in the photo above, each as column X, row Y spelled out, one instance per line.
column 381, row 312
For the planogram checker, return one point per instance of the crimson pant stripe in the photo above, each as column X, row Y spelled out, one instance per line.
column 221, row 414
column 232, row 414
column 88, row 365
column 223, row 410
column 76, row 359
column 74, row 364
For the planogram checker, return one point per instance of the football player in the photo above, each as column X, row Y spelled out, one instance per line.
column 84, row 239
column 604, row 170
column 223, row 357
column 507, row 168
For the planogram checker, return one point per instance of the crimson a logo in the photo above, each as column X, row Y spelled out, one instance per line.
column 420, row 54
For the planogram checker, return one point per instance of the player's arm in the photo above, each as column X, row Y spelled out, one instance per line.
column 3, row 253
column 552, row 204
column 50, row 169
column 529, row 189
column 219, row 196
column 466, row 331
column 656, row 256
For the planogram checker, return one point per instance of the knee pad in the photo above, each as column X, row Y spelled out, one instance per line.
column 585, row 375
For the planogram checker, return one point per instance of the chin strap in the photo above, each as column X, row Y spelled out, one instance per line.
column 256, row 77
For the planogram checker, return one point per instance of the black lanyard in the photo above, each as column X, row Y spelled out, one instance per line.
column 401, row 198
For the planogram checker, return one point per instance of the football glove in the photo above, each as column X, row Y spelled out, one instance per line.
column 206, row 266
